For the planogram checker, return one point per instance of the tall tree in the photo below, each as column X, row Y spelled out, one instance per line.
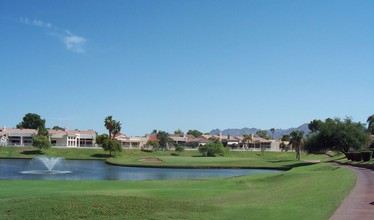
column 116, row 128
column 297, row 142
column 108, row 123
column 370, row 122
column 113, row 126
column 272, row 130
column 31, row 121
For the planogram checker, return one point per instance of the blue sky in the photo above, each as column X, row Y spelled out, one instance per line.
column 193, row 64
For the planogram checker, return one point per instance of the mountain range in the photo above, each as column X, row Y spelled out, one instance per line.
column 277, row 134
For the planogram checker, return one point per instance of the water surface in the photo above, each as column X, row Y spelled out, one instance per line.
column 99, row 170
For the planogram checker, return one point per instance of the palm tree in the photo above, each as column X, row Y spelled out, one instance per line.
column 247, row 138
column 116, row 128
column 272, row 132
column 108, row 123
column 164, row 139
column 370, row 122
column 297, row 141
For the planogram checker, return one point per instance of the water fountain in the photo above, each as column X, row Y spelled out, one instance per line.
column 48, row 163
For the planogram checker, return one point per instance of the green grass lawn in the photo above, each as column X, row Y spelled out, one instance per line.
column 308, row 192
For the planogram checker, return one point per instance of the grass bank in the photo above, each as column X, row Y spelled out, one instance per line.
column 308, row 192
column 237, row 159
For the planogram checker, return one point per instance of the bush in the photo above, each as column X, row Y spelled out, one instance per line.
column 366, row 155
column 179, row 149
column 212, row 150
column 41, row 142
column 356, row 156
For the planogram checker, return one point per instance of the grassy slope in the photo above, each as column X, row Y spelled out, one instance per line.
column 232, row 159
column 308, row 192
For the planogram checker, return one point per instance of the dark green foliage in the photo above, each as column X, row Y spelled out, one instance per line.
column 337, row 135
column 370, row 122
column 113, row 126
column 315, row 125
column 41, row 142
column 32, row 121
column 366, row 155
column 58, row 128
column 195, row 133
column 212, row 150
column 111, row 146
column 262, row 134
column 286, row 137
column 164, row 139
column 100, row 138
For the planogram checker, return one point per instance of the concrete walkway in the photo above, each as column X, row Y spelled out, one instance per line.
column 359, row 204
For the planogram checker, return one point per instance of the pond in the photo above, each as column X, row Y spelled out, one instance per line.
column 22, row 169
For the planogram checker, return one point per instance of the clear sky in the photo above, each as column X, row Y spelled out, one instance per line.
column 191, row 64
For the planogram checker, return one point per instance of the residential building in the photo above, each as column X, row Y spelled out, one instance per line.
column 132, row 142
column 72, row 138
column 18, row 137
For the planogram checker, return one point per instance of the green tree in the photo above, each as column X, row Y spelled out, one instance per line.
column 41, row 142
column 212, row 150
column 338, row 135
column 111, row 145
column 370, row 122
column 179, row 131
column 262, row 134
column 58, row 128
column 195, row 133
column 100, row 138
column 164, row 139
column 286, row 137
column 315, row 125
column 297, row 142
column 31, row 121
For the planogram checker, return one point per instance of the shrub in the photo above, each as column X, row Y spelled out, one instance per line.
column 356, row 156
column 41, row 142
column 212, row 150
column 111, row 146
column 366, row 155
column 179, row 149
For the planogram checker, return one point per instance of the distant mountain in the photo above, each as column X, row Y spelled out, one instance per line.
column 277, row 134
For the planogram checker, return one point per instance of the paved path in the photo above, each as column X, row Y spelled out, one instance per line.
column 360, row 202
